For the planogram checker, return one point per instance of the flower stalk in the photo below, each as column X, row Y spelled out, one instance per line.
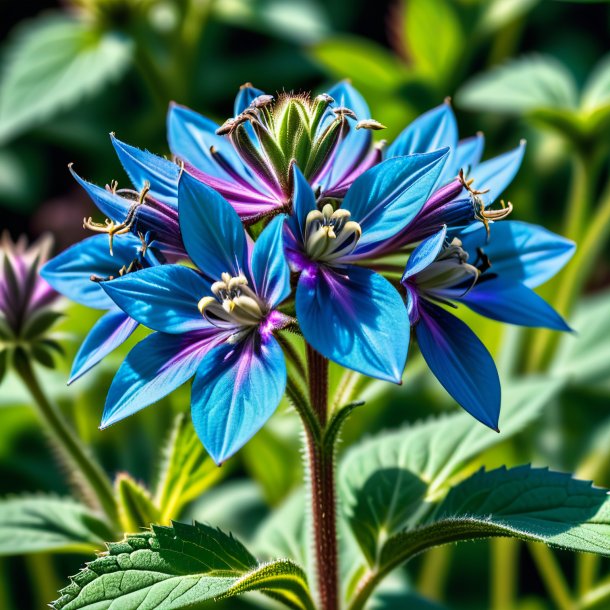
column 322, row 475
column 69, row 443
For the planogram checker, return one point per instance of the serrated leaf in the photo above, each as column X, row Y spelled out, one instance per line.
column 186, row 470
column 38, row 524
column 527, row 503
column 52, row 63
column 386, row 480
column 179, row 567
column 433, row 37
column 365, row 63
column 527, row 84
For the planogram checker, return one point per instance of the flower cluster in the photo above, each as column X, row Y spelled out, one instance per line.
column 288, row 215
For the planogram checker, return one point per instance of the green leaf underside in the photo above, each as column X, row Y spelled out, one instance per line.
column 53, row 64
column 37, row 524
column 386, row 480
column 527, row 503
column 179, row 567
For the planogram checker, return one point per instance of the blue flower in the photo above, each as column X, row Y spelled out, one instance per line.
column 347, row 312
column 141, row 230
column 216, row 323
column 494, row 277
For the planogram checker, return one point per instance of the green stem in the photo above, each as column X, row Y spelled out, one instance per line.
column 551, row 574
column 68, row 442
column 322, row 475
column 504, row 556
column 587, row 567
column 434, row 572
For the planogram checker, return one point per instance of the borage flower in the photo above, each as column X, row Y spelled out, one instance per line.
column 248, row 158
column 216, row 323
column 349, row 313
column 141, row 230
column 440, row 274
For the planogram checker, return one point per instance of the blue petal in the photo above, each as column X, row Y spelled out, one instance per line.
column 153, row 368
column 434, row 129
column 512, row 302
column 163, row 298
column 468, row 153
column 269, row 267
column 244, row 98
column 191, row 136
column 111, row 205
column 497, row 173
column 110, row 331
column 460, row 362
column 357, row 142
column 144, row 167
column 211, row 230
column 425, row 253
column 520, row 251
column 357, row 319
column 388, row 196
column 69, row 273
column 236, row 390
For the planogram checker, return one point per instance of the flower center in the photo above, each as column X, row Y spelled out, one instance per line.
column 330, row 234
column 450, row 275
column 234, row 304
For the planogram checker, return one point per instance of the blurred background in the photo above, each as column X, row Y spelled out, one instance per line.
column 71, row 72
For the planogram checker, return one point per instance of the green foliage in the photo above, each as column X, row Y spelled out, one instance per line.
column 37, row 524
column 180, row 567
column 186, row 470
column 136, row 508
column 386, row 481
column 527, row 503
column 52, row 64
column 432, row 38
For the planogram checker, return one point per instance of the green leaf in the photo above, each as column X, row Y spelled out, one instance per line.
column 136, row 508
column 52, row 63
column 186, row 470
column 526, row 503
column 303, row 21
column 365, row 63
column 523, row 85
column 498, row 13
column 180, row 567
column 386, row 480
column 596, row 93
column 38, row 524
column 433, row 37
column 583, row 358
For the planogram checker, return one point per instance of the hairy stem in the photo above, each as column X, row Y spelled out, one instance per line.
column 69, row 443
column 322, row 474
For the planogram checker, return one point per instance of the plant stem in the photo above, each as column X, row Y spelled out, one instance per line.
column 504, row 556
column 322, row 474
column 434, row 572
column 68, row 442
column 549, row 569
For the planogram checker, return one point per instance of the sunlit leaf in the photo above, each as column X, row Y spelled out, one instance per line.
column 52, row 63
column 596, row 93
column 136, row 508
column 179, row 567
column 37, row 524
column 433, row 37
column 523, row 85
column 498, row 13
column 385, row 481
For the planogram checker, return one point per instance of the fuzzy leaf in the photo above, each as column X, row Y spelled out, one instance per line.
column 526, row 503
column 38, row 524
column 385, row 480
column 523, row 85
column 52, row 63
column 177, row 567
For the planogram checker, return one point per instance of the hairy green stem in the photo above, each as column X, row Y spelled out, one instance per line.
column 322, row 475
column 68, row 442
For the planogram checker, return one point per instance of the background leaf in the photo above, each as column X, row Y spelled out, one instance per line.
column 36, row 524
column 51, row 65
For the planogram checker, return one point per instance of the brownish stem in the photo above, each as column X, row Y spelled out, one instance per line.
column 323, row 501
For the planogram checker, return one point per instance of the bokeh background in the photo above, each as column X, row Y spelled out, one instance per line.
column 73, row 71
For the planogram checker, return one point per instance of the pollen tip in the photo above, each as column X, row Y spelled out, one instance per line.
column 247, row 85
column 480, row 133
column 447, row 100
column 112, row 134
column 522, row 142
